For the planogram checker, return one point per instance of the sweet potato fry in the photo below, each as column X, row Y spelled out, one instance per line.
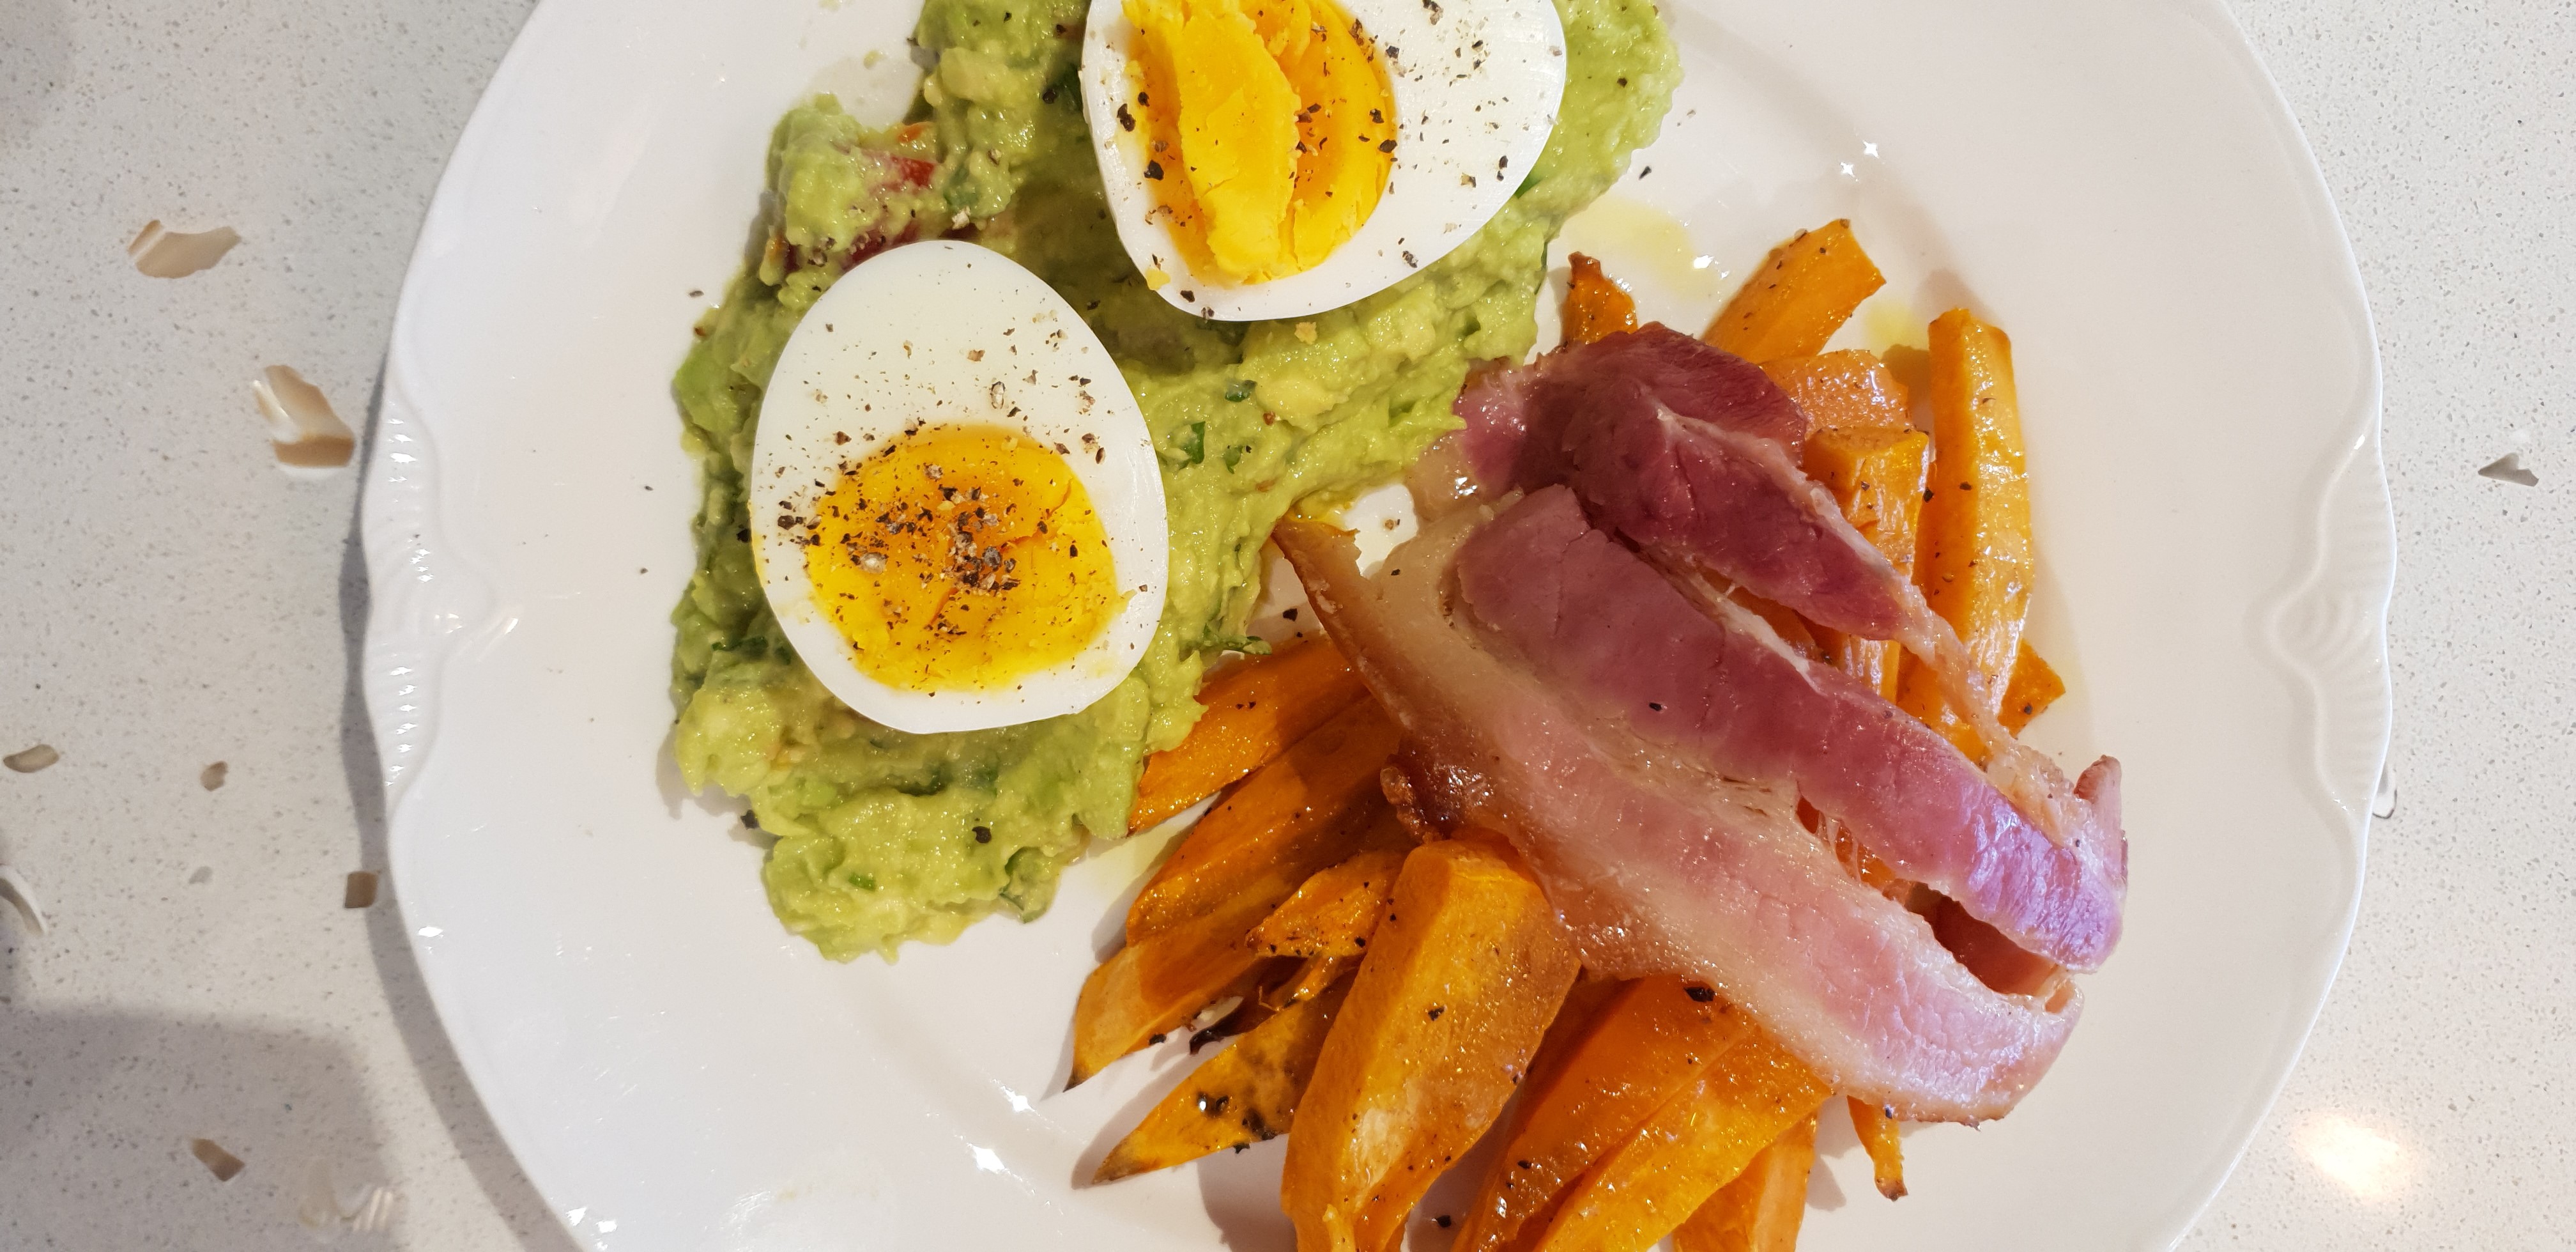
column 1292, row 817
column 1877, row 475
column 1761, row 1210
column 1973, row 558
column 1237, row 1098
column 1877, row 1133
column 1334, row 912
column 1254, row 711
column 1851, row 389
column 1459, row 985
column 2033, row 687
column 1699, row 1141
column 1311, row 977
column 1583, row 1002
column 1803, row 293
column 1594, row 306
column 1154, row 985
column 1647, row 1042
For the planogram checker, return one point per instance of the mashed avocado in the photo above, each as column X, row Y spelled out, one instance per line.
column 884, row 836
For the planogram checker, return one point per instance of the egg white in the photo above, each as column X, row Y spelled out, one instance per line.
column 1471, row 123
column 894, row 345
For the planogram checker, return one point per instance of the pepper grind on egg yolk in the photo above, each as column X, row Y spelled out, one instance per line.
column 1268, row 127
column 960, row 557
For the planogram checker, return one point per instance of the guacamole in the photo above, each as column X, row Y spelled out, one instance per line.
column 884, row 836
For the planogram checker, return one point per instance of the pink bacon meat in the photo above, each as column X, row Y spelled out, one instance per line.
column 1662, row 867
column 1692, row 456
column 1618, row 642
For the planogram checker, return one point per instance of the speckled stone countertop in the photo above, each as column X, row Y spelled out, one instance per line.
column 169, row 600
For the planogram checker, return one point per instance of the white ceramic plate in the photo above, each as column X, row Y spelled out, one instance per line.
column 2117, row 183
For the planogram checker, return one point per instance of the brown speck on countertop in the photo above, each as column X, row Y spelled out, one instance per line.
column 158, row 252
column 33, row 759
column 361, row 890
column 223, row 1165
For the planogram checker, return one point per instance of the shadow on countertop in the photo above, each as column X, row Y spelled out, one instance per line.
column 98, row 1107
column 35, row 59
column 469, row 1127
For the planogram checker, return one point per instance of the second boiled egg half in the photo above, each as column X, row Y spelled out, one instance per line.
column 956, row 512
column 1277, row 158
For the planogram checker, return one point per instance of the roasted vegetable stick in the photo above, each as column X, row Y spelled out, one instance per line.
column 1803, row 293
column 1583, row 1002
column 1877, row 1133
column 1292, row 817
column 1974, row 559
column 1156, row 984
column 1649, row 1041
column 1238, row 1098
column 1573, row 1022
column 1334, row 912
column 1851, row 389
column 1595, row 307
column 1761, row 1210
column 1876, row 474
column 1459, row 985
column 1696, row 1143
column 2034, row 686
column 1254, row 711
column 1310, row 979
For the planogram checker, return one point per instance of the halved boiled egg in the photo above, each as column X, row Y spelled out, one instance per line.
column 956, row 512
column 1275, row 158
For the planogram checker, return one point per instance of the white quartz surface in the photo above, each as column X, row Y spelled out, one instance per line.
column 168, row 600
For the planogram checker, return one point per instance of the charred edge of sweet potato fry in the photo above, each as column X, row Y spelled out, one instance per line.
column 1466, row 971
column 1293, row 816
column 1647, row 1042
column 1245, row 1094
column 1877, row 1133
column 1595, row 307
column 1804, row 292
column 1396, row 783
column 1699, row 1141
column 1255, row 710
column 1762, row 1209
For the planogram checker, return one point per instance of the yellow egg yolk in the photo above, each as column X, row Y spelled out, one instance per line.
column 1268, row 127
column 960, row 558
